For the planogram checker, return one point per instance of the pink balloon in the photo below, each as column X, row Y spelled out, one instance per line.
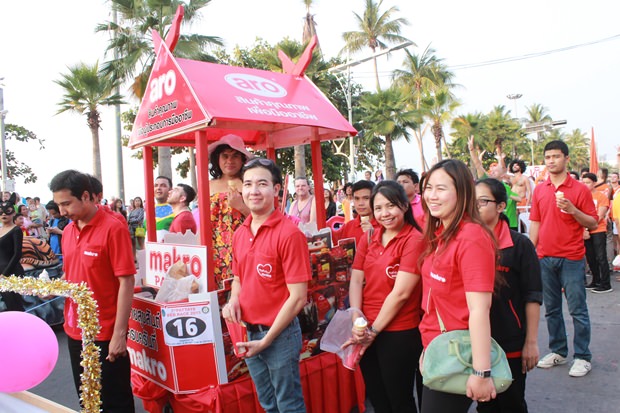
column 28, row 351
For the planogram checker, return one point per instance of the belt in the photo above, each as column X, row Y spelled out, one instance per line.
column 257, row 328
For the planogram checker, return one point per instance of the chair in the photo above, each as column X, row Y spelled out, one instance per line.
column 335, row 222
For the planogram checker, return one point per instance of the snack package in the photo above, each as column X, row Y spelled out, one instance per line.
column 177, row 284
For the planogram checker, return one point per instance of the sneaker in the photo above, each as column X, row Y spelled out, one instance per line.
column 591, row 286
column 580, row 368
column 551, row 360
column 602, row 290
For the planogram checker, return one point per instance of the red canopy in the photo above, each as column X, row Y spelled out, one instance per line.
column 267, row 109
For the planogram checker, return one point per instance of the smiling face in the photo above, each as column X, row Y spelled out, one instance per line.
column 302, row 189
column 388, row 214
column 259, row 191
column 231, row 162
column 440, row 196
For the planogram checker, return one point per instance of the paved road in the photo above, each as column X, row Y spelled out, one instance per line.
column 549, row 391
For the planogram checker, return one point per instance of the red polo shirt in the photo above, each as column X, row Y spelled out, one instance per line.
column 353, row 229
column 97, row 255
column 265, row 263
column 466, row 265
column 381, row 265
column 182, row 222
column 559, row 234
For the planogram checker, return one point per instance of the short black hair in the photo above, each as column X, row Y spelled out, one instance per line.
column 96, row 185
column 74, row 181
column 592, row 177
column 410, row 173
column 166, row 178
column 363, row 184
column 51, row 205
column 268, row 164
column 557, row 144
column 190, row 193
column 348, row 184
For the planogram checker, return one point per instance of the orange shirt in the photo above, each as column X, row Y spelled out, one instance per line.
column 600, row 200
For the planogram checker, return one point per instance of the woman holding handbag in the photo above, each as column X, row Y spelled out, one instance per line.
column 135, row 220
column 385, row 285
column 458, row 273
column 515, row 310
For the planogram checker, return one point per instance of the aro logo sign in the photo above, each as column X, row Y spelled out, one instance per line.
column 256, row 85
column 163, row 84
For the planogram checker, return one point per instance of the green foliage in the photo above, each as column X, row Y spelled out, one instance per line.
column 16, row 168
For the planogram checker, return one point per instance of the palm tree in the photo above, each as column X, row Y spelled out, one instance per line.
column 376, row 31
column 387, row 115
column 438, row 107
column 579, row 148
column 133, row 46
column 500, row 128
column 85, row 91
column 538, row 113
column 422, row 74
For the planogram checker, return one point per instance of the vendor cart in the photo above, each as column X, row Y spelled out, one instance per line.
column 192, row 104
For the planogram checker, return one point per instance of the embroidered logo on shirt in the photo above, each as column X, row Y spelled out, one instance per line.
column 91, row 253
column 438, row 277
column 264, row 270
column 392, row 270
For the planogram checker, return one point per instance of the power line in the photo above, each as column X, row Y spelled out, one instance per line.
column 531, row 55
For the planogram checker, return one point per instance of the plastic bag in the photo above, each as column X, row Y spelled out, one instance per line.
column 173, row 289
column 338, row 331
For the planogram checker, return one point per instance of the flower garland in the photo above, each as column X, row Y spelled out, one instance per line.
column 87, row 321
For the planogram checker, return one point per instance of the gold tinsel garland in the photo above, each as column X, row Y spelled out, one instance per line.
column 87, row 321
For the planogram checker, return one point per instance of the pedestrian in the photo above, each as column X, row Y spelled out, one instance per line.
column 271, row 273
column 11, row 237
column 97, row 251
column 561, row 208
column 515, row 309
column 458, row 274
column 386, row 286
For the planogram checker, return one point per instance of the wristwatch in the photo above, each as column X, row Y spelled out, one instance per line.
column 485, row 374
column 373, row 330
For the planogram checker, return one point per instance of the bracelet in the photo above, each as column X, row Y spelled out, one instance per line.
column 485, row 374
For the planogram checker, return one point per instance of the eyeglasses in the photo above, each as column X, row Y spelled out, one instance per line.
column 484, row 202
column 262, row 161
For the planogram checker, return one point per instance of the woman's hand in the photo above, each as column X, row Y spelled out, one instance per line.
column 480, row 389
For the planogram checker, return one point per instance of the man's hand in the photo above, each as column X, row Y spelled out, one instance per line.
column 529, row 356
column 253, row 347
column 232, row 311
column 117, row 347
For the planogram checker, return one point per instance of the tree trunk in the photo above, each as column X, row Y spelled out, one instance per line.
column 300, row 161
column 94, row 131
column 418, row 137
column 164, row 161
column 374, row 62
column 390, row 161
column 437, row 132
column 192, row 168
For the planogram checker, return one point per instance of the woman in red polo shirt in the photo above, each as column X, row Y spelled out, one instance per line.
column 458, row 274
column 385, row 285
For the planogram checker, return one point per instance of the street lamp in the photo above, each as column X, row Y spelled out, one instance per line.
column 348, row 95
column 2, row 137
column 514, row 97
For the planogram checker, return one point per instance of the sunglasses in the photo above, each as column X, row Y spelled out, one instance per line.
column 257, row 161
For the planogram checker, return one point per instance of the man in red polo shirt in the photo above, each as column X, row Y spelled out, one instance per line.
column 365, row 219
column 97, row 251
column 561, row 208
column 179, row 198
column 272, row 269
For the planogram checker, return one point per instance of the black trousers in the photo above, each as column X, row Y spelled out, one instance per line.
column 389, row 367
column 439, row 402
column 116, row 394
column 13, row 301
column 513, row 399
column 596, row 254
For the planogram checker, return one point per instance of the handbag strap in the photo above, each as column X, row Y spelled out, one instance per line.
column 442, row 327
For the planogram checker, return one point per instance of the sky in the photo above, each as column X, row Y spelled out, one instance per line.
column 579, row 85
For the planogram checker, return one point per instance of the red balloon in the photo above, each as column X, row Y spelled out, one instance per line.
column 28, row 351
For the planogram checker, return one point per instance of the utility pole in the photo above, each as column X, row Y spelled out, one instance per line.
column 2, row 137
column 117, row 142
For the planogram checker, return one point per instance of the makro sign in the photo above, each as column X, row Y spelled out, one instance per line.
column 255, row 85
column 159, row 258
